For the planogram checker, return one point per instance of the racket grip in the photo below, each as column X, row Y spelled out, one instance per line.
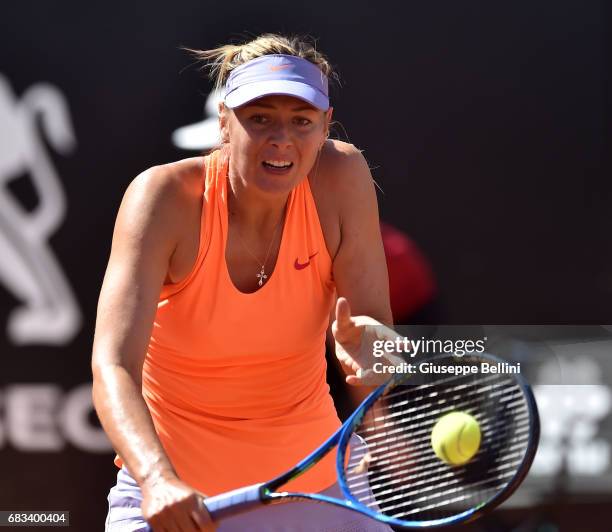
column 230, row 503
column 233, row 502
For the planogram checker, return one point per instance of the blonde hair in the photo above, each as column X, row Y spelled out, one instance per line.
column 222, row 60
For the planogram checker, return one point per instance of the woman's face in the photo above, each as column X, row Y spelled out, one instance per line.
column 274, row 141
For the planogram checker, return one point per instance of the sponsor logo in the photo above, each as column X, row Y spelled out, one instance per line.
column 43, row 418
column 276, row 68
column 47, row 311
column 301, row 266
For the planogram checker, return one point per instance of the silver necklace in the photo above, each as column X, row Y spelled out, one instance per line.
column 262, row 274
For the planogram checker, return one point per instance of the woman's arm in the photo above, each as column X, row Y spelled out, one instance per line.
column 146, row 233
column 360, row 267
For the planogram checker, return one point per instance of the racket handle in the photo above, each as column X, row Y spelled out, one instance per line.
column 233, row 502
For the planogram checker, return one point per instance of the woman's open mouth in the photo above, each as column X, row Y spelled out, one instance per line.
column 277, row 167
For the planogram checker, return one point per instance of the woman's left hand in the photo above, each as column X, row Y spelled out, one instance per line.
column 354, row 336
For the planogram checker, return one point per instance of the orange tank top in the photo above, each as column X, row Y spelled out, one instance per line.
column 235, row 382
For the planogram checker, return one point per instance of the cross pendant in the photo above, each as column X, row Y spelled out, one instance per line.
column 261, row 276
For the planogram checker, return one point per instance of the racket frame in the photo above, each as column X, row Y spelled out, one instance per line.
column 468, row 515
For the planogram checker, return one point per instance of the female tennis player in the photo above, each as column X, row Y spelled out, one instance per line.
column 208, row 357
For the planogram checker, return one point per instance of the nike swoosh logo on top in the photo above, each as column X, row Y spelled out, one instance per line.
column 274, row 68
column 299, row 266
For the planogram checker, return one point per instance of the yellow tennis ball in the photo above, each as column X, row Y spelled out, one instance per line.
column 455, row 438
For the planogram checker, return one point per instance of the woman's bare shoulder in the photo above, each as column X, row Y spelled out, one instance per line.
column 335, row 152
column 330, row 185
column 166, row 194
column 184, row 176
column 343, row 166
column 177, row 182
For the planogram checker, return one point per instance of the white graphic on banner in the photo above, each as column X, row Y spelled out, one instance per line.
column 43, row 418
column 205, row 134
column 29, row 269
column 570, row 416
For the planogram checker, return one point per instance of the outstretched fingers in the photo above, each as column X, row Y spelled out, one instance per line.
column 344, row 325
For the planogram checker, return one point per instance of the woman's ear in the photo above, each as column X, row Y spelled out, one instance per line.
column 223, row 129
column 224, row 134
column 328, row 118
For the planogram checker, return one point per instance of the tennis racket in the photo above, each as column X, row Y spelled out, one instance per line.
column 395, row 476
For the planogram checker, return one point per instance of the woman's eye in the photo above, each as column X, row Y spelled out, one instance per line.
column 262, row 119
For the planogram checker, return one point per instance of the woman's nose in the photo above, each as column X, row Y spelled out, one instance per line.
column 280, row 136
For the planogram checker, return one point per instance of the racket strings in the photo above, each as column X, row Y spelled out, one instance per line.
column 427, row 468
column 425, row 420
column 392, row 452
column 495, row 434
column 396, row 432
column 397, row 472
column 472, row 402
column 440, row 504
column 432, row 482
column 422, row 495
column 431, row 472
column 442, row 397
column 422, row 421
column 428, row 390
